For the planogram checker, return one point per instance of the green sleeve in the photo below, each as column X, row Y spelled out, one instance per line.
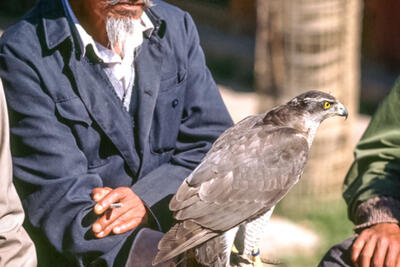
column 376, row 167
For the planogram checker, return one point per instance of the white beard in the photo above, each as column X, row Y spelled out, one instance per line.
column 124, row 33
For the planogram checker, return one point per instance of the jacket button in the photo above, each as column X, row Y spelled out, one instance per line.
column 175, row 103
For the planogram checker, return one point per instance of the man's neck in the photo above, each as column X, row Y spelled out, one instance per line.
column 91, row 20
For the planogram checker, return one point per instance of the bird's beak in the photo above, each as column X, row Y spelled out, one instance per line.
column 341, row 110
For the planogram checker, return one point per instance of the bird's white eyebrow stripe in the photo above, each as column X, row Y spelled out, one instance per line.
column 318, row 99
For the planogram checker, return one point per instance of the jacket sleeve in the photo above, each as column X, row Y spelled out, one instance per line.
column 47, row 160
column 205, row 118
column 374, row 177
column 380, row 209
column 16, row 248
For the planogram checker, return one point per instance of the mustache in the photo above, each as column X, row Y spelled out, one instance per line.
column 146, row 3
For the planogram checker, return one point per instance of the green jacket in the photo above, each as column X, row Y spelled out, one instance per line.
column 376, row 168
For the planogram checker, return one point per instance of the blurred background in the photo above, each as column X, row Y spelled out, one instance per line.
column 264, row 52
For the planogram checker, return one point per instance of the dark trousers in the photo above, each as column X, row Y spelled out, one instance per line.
column 338, row 255
column 144, row 249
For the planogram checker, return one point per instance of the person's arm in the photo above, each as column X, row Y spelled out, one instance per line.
column 54, row 171
column 16, row 248
column 376, row 168
column 379, row 209
column 371, row 186
column 379, row 241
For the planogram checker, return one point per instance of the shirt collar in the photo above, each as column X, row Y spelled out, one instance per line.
column 147, row 27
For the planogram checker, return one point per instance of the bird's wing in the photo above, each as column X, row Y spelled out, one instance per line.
column 248, row 170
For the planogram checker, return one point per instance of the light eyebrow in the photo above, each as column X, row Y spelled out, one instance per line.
column 319, row 99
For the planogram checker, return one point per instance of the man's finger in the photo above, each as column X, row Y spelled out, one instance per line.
column 100, row 192
column 108, row 218
column 127, row 223
column 392, row 256
column 380, row 252
column 358, row 245
column 104, row 203
column 367, row 252
column 120, row 194
column 125, row 213
column 105, row 232
column 122, row 224
column 125, row 227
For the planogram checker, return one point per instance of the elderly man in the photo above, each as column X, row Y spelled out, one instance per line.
column 16, row 248
column 111, row 107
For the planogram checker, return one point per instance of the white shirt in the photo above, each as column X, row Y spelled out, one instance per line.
column 117, row 68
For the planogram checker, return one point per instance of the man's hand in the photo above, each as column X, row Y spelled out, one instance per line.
column 117, row 220
column 377, row 246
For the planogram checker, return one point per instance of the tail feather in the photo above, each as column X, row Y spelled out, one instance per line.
column 213, row 253
column 181, row 237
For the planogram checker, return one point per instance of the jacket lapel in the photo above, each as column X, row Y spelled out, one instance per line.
column 103, row 106
column 148, row 72
column 95, row 90
column 92, row 85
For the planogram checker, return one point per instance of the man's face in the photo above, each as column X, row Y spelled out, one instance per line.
column 126, row 8
column 110, row 22
column 118, row 8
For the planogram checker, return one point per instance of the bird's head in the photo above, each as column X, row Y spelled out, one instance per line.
column 318, row 105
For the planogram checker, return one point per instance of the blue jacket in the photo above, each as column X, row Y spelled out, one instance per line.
column 70, row 132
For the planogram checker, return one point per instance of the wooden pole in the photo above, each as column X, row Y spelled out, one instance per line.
column 312, row 45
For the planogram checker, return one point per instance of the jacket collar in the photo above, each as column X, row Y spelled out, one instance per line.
column 55, row 24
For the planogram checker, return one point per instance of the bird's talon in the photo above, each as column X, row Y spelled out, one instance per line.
column 257, row 262
column 234, row 249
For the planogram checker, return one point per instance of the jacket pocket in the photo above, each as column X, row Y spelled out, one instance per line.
column 74, row 110
column 169, row 81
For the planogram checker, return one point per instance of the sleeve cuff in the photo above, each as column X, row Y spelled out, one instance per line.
column 157, row 188
column 377, row 210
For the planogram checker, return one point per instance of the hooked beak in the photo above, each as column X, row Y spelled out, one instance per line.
column 341, row 110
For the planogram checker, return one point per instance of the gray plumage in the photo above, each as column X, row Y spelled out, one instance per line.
column 250, row 168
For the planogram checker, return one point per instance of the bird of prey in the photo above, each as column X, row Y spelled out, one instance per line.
column 248, row 170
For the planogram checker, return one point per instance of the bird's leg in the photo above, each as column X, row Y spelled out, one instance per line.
column 256, row 259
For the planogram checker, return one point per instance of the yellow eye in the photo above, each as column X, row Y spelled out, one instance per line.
column 327, row 105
